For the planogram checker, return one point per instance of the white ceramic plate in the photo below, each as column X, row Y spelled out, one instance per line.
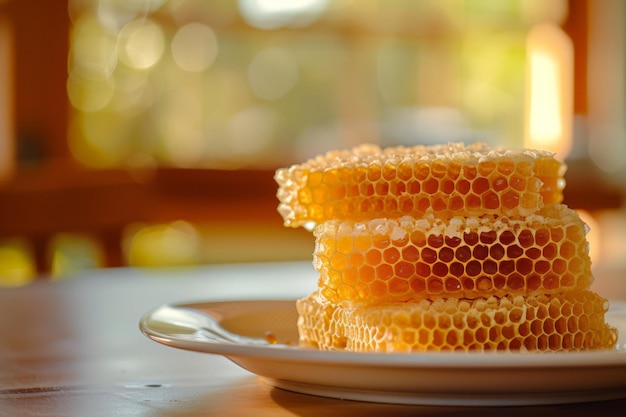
column 237, row 330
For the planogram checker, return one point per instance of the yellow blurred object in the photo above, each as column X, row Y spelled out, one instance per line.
column 72, row 253
column 172, row 244
column 16, row 264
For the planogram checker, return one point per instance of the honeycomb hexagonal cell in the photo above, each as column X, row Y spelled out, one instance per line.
column 571, row 321
column 397, row 260
column 448, row 180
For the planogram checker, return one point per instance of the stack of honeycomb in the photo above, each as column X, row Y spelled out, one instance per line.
column 447, row 247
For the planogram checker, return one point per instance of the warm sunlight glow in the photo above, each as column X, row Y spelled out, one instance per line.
column 272, row 14
column 228, row 84
column 546, row 126
column 549, row 106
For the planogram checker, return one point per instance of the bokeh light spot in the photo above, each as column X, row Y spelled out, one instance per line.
column 141, row 44
column 93, row 51
column 194, row 47
column 251, row 130
column 273, row 73
column 89, row 95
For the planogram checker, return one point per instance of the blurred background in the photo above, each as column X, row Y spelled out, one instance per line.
column 147, row 132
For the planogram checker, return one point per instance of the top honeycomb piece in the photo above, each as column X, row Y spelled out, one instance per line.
column 448, row 180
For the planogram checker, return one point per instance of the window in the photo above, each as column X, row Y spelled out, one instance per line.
column 258, row 83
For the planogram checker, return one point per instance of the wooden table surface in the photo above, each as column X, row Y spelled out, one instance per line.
column 73, row 348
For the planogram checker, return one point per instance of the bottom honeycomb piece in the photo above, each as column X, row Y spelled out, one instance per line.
column 572, row 321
